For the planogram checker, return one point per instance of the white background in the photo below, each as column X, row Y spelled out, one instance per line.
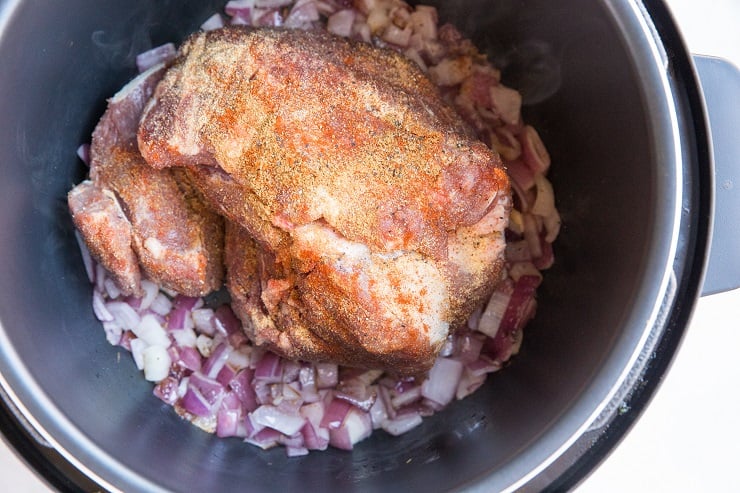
column 688, row 440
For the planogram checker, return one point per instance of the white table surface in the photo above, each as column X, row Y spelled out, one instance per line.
column 688, row 440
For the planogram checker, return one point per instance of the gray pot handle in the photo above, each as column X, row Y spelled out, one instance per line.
column 720, row 81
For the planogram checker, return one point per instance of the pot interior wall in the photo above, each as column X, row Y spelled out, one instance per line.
column 62, row 59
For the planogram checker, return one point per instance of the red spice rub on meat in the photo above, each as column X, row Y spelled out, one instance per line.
column 376, row 217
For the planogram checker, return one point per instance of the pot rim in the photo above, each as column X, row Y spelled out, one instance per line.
column 663, row 322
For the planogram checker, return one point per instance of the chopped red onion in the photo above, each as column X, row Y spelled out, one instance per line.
column 213, row 22
column 227, row 423
column 226, row 321
column 269, row 368
column 217, row 359
column 271, row 417
column 188, row 358
column 271, row 4
column 150, row 330
column 335, row 413
column 535, row 154
column 314, row 438
column 340, row 23
column 441, row 384
column 184, row 337
column 468, row 347
column 327, row 375
column 160, row 54
column 99, row 308
column 123, row 314
column 402, row 423
column 469, row 383
column 242, row 387
column 211, row 390
column 494, row 312
column 157, row 362
column 266, row 438
column 195, row 403
column 407, row 396
column 166, row 390
column 83, row 152
column 203, row 320
column 204, row 344
column 506, row 102
column 355, row 427
column 378, row 412
column 303, row 14
column 239, row 7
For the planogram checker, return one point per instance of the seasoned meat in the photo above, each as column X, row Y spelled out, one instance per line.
column 153, row 218
column 370, row 221
column 107, row 233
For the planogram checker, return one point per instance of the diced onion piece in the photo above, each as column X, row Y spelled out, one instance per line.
column 441, row 384
column 302, row 15
column 213, row 22
column 532, row 235
column 204, row 345
column 195, row 403
column 356, row 426
column 340, row 23
column 408, row 396
column 101, row 311
column 272, row 417
column 227, row 423
column 402, row 423
column 397, row 36
column 552, row 226
column 150, row 330
column 507, row 102
column 203, row 320
column 544, row 204
column 327, row 375
column 184, row 337
column 111, row 289
column 377, row 19
column 161, row 305
column 151, row 291
column 137, row 352
column 519, row 269
column 217, row 359
column 423, row 21
column 166, row 390
column 535, row 154
column 469, row 383
column 123, row 314
column 516, row 221
column 506, row 144
column 451, row 71
column 83, row 152
column 239, row 8
column 378, row 413
column 160, row 54
column 271, row 4
column 156, row 363
column 518, row 251
column 491, row 318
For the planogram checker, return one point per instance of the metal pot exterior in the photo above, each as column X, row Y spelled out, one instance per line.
column 614, row 95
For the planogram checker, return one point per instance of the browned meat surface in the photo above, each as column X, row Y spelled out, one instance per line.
column 174, row 237
column 377, row 218
column 107, row 232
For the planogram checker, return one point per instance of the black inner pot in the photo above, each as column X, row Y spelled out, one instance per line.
column 628, row 261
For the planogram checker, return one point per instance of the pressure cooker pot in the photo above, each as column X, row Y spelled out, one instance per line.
column 616, row 99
